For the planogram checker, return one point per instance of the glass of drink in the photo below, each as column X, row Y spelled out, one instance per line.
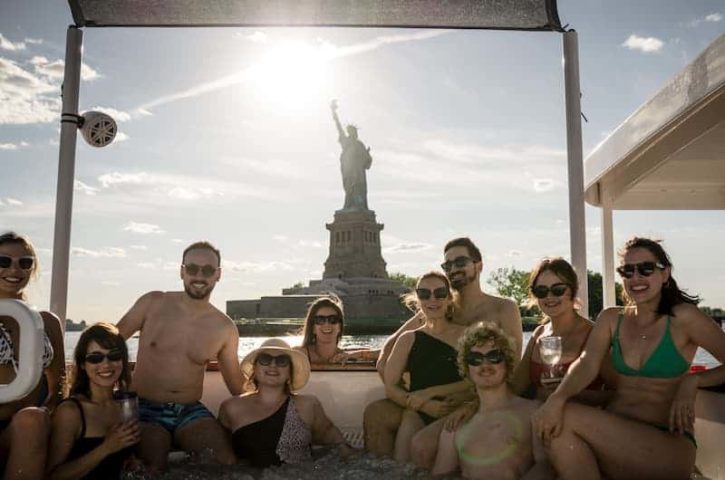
column 550, row 351
column 128, row 403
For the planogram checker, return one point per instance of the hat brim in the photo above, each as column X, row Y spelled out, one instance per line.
column 300, row 364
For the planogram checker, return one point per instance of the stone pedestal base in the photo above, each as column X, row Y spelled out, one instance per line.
column 354, row 246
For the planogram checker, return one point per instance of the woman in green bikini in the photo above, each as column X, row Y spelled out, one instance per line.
column 646, row 431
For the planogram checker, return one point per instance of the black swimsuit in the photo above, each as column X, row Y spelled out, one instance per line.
column 110, row 467
column 431, row 362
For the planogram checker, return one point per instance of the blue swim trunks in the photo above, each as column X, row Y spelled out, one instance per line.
column 171, row 415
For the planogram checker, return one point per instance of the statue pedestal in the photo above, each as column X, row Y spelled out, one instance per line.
column 354, row 246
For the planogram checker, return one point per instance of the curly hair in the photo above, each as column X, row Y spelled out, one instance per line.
column 481, row 334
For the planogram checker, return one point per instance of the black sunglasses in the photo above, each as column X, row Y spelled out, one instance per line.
column 542, row 291
column 206, row 270
column 425, row 293
column 98, row 357
column 323, row 319
column 25, row 263
column 265, row 359
column 645, row 269
column 494, row 357
column 458, row 262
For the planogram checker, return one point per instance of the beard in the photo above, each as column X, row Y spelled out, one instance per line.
column 459, row 281
column 198, row 294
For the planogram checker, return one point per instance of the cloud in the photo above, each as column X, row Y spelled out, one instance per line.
column 9, row 146
column 56, row 69
column 79, row 186
column 643, row 44
column 713, row 17
column 143, row 228
column 13, row 201
column 34, row 41
column 283, row 239
column 6, row 44
column 107, row 252
column 255, row 267
column 118, row 115
column 25, row 97
column 408, row 247
column 324, row 52
column 257, row 37
column 543, row 185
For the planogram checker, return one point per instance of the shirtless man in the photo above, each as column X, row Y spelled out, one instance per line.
column 498, row 442
column 462, row 264
column 180, row 333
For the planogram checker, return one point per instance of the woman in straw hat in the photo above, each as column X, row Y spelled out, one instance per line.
column 272, row 424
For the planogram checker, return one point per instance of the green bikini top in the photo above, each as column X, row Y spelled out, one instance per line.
column 665, row 362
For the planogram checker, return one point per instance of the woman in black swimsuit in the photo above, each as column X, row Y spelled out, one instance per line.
column 272, row 425
column 89, row 440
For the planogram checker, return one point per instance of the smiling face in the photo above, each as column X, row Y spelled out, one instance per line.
column 640, row 288
column 106, row 373
column 14, row 279
column 271, row 375
column 326, row 332
column 464, row 270
column 200, row 273
column 487, row 375
column 434, row 308
column 552, row 305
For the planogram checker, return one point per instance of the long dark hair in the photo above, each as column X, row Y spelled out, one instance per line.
column 14, row 238
column 562, row 269
column 671, row 293
column 308, row 329
column 107, row 336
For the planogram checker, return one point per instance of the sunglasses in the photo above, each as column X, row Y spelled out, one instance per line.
column 265, row 359
column 323, row 319
column 494, row 357
column 98, row 357
column 542, row 291
column 206, row 270
column 645, row 269
column 458, row 262
column 25, row 263
column 425, row 293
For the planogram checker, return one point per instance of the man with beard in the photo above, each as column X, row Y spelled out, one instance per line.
column 180, row 333
column 462, row 264
column 498, row 441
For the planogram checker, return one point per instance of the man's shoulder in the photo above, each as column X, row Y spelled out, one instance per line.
column 524, row 405
column 493, row 306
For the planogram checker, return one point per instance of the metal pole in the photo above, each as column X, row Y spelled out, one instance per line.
column 577, row 224
column 66, row 173
column 608, row 289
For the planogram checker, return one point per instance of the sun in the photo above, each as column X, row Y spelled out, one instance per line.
column 291, row 75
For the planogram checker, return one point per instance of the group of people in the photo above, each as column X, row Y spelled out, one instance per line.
column 459, row 395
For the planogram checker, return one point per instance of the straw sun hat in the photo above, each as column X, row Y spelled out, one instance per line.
column 277, row 346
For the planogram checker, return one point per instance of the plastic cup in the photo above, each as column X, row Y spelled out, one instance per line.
column 128, row 402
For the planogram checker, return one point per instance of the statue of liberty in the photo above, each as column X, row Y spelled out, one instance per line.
column 354, row 160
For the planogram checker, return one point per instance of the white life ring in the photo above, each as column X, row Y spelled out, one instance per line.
column 30, row 354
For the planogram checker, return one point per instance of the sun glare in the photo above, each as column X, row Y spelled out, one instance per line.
column 292, row 74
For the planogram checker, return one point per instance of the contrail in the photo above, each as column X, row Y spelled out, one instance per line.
column 242, row 75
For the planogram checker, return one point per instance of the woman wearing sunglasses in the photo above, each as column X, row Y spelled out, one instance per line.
column 553, row 287
column 322, row 330
column 646, row 430
column 428, row 354
column 90, row 440
column 273, row 425
column 25, row 422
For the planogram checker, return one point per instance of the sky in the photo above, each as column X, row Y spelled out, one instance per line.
column 226, row 135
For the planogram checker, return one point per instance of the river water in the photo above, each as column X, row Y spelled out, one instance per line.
column 246, row 344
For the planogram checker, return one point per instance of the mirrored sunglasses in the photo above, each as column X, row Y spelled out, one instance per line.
column 98, row 357
column 645, row 269
column 323, row 319
column 542, row 291
column 494, row 357
column 425, row 293
column 206, row 270
column 25, row 263
column 458, row 262
column 265, row 359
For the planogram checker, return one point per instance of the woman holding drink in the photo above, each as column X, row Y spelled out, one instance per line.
column 91, row 439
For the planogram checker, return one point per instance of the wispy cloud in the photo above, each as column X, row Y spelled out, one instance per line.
column 713, row 17
column 118, row 115
column 13, row 146
column 56, row 68
column 325, row 52
column 79, row 186
column 408, row 247
column 107, row 252
column 255, row 267
column 643, row 44
column 14, row 202
column 6, row 44
column 299, row 243
column 143, row 228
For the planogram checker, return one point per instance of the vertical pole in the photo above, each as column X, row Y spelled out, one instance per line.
column 608, row 289
column 66, row 173
column 577, row 224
